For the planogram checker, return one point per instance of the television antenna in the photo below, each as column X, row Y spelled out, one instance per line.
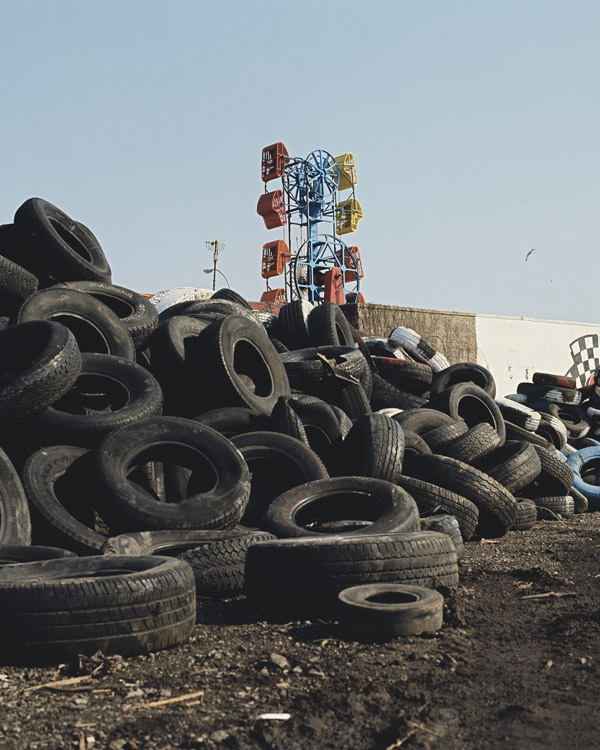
column 216, row 244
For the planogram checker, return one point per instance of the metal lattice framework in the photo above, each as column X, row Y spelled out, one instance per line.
column 319, row 259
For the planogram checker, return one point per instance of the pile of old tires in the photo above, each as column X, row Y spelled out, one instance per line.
column 146, row 459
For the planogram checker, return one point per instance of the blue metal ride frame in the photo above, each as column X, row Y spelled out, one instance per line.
column 310, row 186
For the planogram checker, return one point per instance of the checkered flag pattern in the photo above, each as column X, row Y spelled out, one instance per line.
column 586, row 358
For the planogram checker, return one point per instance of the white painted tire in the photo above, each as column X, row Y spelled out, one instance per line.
column 418, row 347
column 519, row 414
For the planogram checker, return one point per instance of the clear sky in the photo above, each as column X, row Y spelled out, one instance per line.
column 474, row 125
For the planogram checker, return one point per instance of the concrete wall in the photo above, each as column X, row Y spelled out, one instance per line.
column 453, row 333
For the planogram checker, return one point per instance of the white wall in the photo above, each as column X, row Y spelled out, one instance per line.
column 514, row 348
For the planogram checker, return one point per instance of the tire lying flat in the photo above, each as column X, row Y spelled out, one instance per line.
column 56, row 609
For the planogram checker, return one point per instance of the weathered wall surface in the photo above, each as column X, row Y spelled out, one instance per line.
column 453, row 333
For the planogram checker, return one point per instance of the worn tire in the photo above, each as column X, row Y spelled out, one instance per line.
column 95, row 326
column 57, row 483
column 217, row 489
column 277, row 463
column 109, row 393
column 242, row 366
column 526, row 514
column 389, row 507
column 56, row 609
column 471, row 403
column 327, row 326
column 380, row 611
column 473, row 445
column 138, row 315
column 374, row 447
column 58, row 248
column 497, row 506
column 431, row 498
column 306, row 574
column 464, row 372
column 15, row 522
column 515, row 465
column 39, row 363
column 219, row 567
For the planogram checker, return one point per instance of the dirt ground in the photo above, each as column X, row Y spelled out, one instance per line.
column 516, row 665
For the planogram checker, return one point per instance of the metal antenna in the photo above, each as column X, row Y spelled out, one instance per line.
column 216, row 244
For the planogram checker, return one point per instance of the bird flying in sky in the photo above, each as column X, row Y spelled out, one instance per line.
column 530, row 253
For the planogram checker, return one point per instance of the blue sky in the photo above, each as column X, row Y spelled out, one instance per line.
column 474, row 125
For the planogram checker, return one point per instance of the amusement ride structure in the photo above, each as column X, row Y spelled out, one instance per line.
column 316, row 264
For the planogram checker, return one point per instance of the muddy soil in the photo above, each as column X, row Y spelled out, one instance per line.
column 516, row 665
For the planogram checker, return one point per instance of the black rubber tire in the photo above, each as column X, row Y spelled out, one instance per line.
column 217, row 490
column 497, row 506
column 464, row 372
column 57, row 483
column 242, row 367
column 554, row 508
column 580, row 501
column 232, row 296
column 109, row 393
column 473, row 445
column 176, row 362
column 309, row 374
column 14, row 554
column 343, row 419
column 408, row 376
column 292, row 324
column 234, row 420
column 39, row 363
column 166, row 543
column 381, row 611
column 352, row 398
column 306, row 574
column 96, row 327
column 388, row 506
column 15, row 522
column 285, row 420
column 554, row 479
column 423, row 420
column 374, row 447
column 445, row 524
column 515, row 465
column 277, row 463
column 385, row 395
column 17, row 284
column 471, row 403
column 439, row 436
column 215, row 309
column 526, row 514
column 323, row 430
column 136, row 312
column 430, row 498
column 219, row 567
column 56, row 609
column 60, row 249
column 514, row 432
column 327, row 326
column 414, row 444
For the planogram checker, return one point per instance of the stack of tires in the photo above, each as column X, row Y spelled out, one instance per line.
column 147, row 459
column 552, row 411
